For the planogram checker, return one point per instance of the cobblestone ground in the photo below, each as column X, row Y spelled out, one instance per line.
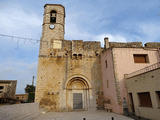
column 32, row 112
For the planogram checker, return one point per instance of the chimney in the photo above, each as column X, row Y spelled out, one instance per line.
column 106, row 42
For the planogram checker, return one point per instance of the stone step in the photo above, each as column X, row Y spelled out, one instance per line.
column 28, row 117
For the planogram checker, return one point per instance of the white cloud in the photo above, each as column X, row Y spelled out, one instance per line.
column 78, row 31
column 18, row 64
column 18, row 22
column 144, row 31
column 73, row 32
column 15, row 20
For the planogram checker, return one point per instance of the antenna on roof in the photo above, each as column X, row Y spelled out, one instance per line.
column 33, row 80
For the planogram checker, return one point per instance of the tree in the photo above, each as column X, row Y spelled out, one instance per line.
column 30, row 89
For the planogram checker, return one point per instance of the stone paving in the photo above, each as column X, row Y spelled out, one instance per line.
column 31, row 111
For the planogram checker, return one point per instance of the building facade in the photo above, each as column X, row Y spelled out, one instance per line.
column 118, row 59
column 81, row 75
column 7, row 88
column 69, row 72
column 143, row 88
column 23, row 98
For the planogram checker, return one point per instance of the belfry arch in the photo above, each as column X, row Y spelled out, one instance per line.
column 77, row 94
column 53, row 15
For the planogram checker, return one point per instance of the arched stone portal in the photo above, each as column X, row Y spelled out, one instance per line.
column 77, row 94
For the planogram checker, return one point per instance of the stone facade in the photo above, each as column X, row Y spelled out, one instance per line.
column 152, row 45
column 22, row 97
column 66, row 68
column 7, row 88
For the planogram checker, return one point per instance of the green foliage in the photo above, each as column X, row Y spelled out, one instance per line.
column 30, row 89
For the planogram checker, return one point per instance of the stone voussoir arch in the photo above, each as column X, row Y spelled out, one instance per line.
column 85, row 79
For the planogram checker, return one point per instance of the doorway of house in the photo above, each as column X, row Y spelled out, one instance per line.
column 131, row 102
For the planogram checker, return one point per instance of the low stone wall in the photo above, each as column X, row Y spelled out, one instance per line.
column 152, row 45
column 125, row 45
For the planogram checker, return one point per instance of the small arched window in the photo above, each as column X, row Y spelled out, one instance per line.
column 53, row 15
column 79, row 56
column 74, row 56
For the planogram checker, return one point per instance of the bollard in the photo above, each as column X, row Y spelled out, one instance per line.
column 84, row 118
column 112, row 118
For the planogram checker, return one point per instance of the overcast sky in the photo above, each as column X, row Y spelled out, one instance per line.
column 120, row 20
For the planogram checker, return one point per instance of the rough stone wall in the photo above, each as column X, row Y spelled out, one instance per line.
column 131, row 44
column 60, row 60
column 125, row 45
column 152, row 45
column 146, row 82
column 56, row 67
column 52, row 38
column 9, row 88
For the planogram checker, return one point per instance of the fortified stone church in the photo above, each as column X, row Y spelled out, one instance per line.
column 69, row 73
column 81, row 75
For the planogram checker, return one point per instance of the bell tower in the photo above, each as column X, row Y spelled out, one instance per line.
column 53, row 28
column 69, row 72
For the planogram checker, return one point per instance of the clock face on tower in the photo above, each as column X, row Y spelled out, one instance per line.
column 51, row 26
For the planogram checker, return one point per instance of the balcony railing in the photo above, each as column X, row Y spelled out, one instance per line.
column 144, row 70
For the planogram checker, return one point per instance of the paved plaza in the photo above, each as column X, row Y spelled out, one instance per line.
column 32, row 112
